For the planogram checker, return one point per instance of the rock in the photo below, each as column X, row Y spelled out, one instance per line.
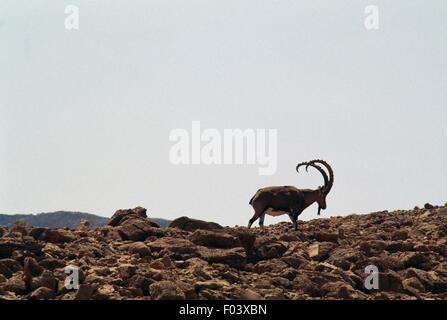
column 86, row 291
column 139, row 248
column 201, row 273
column 345, row 258
column 235, row 257
column 84, row 225
column 320, row 251
column 341, row 291
column 3, row 231
column 188, row 224
column 212, row 284
column 132, row 224
column 268, row 249
column 19, row 227
column 167, row 263
column 15, row 285
column 408, row 247
column 289, row 273
column 52, row 263
column 430, row 280
column 52, row 235
column 123, row 214
column 271, row 266
column 384, row 263
column 246, row 238
column 126, row 271
column 394, row 246
column 280, row 282
column 46, row 280
column 413, row 286
column 138, row 230
column 400, row 235
column 326, row 237
column 325, row 267
column 178, row 248
column 428, row 206
column 416, row 260
column 32, row 268
column 302, row 284
column 247, row 294
column 108, row 292
column 390, row 281
column 142, row 282
column 372, row 246
column 294, row 261
column 8, row 267
column 166, row 290
column 214, row 239
column 8, row 246
column 43, row 293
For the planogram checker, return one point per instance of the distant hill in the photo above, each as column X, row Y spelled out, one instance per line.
column 61, row 219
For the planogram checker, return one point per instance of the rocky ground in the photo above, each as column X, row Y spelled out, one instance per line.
column 132, row 258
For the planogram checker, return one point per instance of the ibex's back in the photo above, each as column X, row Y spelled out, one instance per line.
column 279, row 198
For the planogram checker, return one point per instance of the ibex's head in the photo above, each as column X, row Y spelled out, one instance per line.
column 321, row 200
column 323, row 191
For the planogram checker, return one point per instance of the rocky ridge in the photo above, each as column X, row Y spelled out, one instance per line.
column 133, row 258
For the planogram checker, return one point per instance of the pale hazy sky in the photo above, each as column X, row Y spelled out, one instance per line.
column 85, row 115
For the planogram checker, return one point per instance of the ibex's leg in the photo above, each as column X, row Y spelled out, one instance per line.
column 258, row 213
column 261, row 220
column 294, row 217
column 290, row 216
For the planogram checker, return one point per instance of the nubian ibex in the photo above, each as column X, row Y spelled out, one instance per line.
column 276, row 201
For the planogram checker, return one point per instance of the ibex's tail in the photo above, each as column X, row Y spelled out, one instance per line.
column 251, row 200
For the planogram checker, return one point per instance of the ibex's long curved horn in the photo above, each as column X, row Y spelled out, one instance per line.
column 331, row 174
column 301, row 164
column 323, row 173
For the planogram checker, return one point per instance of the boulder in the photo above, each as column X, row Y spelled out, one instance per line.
column 46, row 279
column 9, row 246
column 247, row 294
column 214, row 239
column 390, row 281
column 235, row 257
column 139, row 248
column 326, row 237
column 132, row 224
column 269, row 249
column 86, row 291
column 43, row 293
column 53, row 235
column 52, row 263
column 177, row 247
column 123, row 214
column 188, row 224
column 84, row 225
column 8, row 267
column 166, row 290
column 3, row 231
column 16, row 285
column 31, row 268
column 320, row 251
